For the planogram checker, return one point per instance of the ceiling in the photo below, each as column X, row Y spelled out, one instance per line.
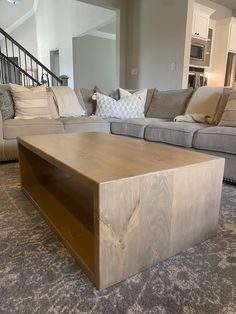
column 231, row 4
column 10, row 13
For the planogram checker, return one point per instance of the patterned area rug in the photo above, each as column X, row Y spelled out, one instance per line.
column 38, row 275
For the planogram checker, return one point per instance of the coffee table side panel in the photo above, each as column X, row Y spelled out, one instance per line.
column 134, row 225
column 197, row 194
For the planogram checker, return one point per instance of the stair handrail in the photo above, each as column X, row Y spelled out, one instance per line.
column 19, row 68
column 6, row 35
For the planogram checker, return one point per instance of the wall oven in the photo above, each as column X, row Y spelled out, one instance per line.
column 198, row 52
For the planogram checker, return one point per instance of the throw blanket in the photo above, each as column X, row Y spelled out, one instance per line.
column 67, row 102
column 193, row 117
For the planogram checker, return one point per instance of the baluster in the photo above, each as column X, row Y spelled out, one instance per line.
column 4, row 81
column 6, row 47
column 25, row 64
column 24, row 79
column 31, row 62
column 13, row 55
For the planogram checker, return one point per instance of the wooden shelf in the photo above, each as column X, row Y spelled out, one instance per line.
column 76, row 236
column 67, row 203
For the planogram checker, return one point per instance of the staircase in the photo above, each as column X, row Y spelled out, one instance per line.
column 19, row 66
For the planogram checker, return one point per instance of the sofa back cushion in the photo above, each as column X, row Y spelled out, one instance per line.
column 89, row 103
column 229, row 115
column 6, row 104
column 52, row 105
column 205, row 101
column 115, row 94
column 169, row 104
column 222, row 104
column 31, row 102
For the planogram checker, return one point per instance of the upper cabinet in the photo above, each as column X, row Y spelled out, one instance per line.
column 232, row 36
column 201, row 21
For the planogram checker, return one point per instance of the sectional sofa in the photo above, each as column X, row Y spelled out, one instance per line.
column 157, row 126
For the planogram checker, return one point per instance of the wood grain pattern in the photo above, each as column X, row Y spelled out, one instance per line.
column 121, row 205
column 105, row 157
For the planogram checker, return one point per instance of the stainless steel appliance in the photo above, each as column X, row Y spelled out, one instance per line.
column 230, row 75
column 198, row 52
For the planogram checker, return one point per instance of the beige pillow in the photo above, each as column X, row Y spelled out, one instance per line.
column 205, row 101
column 31, row 102
column 229, row 115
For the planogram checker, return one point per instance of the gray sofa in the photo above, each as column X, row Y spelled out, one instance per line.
column 206, row 138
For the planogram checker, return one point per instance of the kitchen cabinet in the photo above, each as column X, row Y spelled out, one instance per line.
column 224, row 43
column 201, row 21
column 232, row 37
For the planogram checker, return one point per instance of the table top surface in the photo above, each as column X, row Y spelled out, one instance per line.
column 104, row 157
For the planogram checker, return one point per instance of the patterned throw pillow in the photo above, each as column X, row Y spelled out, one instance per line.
column 127, row 107
column 6, row 104
column 139, row 93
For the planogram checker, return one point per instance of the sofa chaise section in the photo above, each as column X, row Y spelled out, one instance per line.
column 175, row 133
column 218, row 138
column 220, row 141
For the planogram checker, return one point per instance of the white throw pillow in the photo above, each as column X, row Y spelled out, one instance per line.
column 142, row 94
column 127, row 107
column 30, row 103
column 67, row 102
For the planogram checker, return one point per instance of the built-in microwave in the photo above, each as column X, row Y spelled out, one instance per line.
column 198, row 52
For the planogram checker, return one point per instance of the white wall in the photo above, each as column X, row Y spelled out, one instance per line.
column 26, row 35
column 58, row 21
column 122, row 16
column 157, row 33
column 221, row 11
column 94, row 62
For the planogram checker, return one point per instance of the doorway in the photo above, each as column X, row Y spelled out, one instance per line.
column 96, row 54
column 55, row 64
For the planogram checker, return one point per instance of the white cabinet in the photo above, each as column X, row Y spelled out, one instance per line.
column 232, row 37
column 201, row 21
column 200, row 25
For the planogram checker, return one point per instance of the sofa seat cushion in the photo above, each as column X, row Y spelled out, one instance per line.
column 218, row 138
column 176, row 133
column 13, row 128
column 85, row 124
column 133, row 127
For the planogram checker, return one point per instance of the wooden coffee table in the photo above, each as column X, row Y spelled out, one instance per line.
column 120, row 204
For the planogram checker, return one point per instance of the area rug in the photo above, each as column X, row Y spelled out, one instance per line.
column 38, row 275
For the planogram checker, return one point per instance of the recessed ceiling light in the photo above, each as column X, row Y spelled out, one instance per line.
column 14, row 1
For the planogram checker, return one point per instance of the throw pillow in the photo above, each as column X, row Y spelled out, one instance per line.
column 205, row 101
column 6, row 104
column 149, row 95
column 67, row 102
column 30, row 103
column 222, row 104
column 127, row 107
column 229, row 115
column 112, row 93
column 169, row 104
column 81, row 100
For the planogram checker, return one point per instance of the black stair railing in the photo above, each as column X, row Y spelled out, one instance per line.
column 12, row 73
column 19, row 60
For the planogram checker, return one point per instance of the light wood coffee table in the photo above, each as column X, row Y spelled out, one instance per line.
column 120, row 204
